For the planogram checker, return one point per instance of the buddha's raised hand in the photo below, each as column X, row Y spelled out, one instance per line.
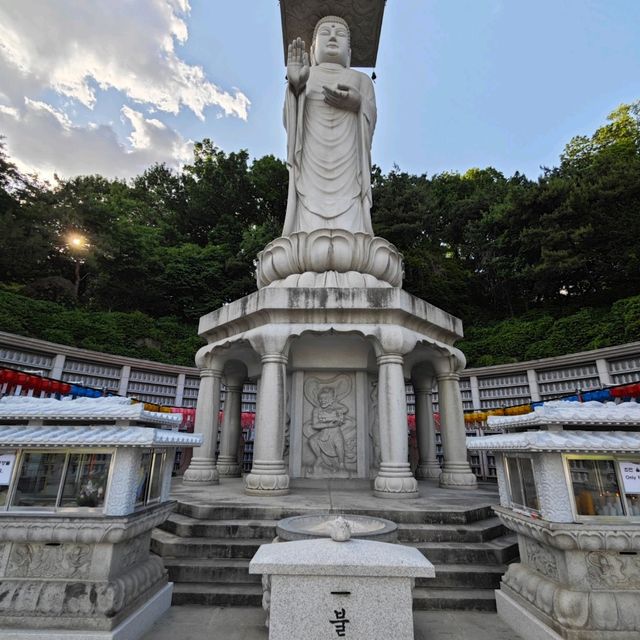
column 297, row 65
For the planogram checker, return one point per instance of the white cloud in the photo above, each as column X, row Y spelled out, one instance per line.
column 71, row 46
column 77, row 49
column 43, row 140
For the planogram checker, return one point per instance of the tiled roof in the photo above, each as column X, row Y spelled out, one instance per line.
column 94, row 436
column 110, row 408
column 592, row 441
column 573, row 414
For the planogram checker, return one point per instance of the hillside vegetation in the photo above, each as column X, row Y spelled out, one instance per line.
column 533, row 267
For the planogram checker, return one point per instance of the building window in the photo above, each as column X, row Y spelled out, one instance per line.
column 596, row 488
column 150, row 477
column 58, row 480
column 85, row 482
column 521, row 481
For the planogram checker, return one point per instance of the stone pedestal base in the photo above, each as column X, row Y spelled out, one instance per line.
column 458, row 478
column 266, row 480
column 134, row 627
column 331, row 367
column 428, row 471
column 201, row 471
column 85, row 577
column 228, row 467
column 579, row 581
column 395, row 481
column 521, row 620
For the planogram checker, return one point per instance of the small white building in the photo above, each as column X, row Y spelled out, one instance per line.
column 570, row 489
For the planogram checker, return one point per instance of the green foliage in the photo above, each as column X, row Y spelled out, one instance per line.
column 134, row 334
column 533, row 268
column 540, row 335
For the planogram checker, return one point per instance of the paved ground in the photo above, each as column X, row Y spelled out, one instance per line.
column 337, row 496
column 235, row 623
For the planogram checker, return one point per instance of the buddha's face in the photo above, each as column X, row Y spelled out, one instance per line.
column 332, row 43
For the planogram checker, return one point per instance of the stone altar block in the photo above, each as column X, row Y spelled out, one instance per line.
column 355, row 589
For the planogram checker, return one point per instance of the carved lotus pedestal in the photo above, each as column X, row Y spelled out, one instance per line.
column 582, row 582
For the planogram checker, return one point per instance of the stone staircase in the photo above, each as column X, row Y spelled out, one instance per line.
column 207, row 550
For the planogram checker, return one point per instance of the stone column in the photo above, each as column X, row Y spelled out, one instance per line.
column 268, row 475
column 228, row 466
column 425, row 431
column 456, row 472
column 394, row 479
column 202, row 469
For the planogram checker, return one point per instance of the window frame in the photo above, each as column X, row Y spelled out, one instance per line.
column 9, row 507
column 614, row 458
column 522, row 508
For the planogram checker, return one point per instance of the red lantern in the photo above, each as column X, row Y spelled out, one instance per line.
column 65, row 388
column 617, row 392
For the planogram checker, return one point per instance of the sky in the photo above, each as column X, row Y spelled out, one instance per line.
column 89, row 86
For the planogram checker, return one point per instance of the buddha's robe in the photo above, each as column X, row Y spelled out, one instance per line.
column 329, row 154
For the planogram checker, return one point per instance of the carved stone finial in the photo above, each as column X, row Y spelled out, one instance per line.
column 340, row 530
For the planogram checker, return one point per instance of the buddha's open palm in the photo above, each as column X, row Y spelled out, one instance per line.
column 297, row 65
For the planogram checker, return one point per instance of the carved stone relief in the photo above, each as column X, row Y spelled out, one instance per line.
column 329, row 437
column 49, row 561
column 374, row 428
column 540, row 559
column 606, row 570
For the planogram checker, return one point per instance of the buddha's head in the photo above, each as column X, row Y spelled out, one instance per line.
column 331, row 41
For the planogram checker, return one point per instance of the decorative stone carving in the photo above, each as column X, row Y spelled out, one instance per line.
column 606, row 570
column 329, row 433
column 330, row 258
column 568, row 537
column 63, row 599
column 374, row 428
column 49, row 561
column 540, row 559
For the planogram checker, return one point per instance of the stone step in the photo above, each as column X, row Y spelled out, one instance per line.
column 230, row 571
column 167, row 544
column 498, row 551
column 480, row 531
column 450, row 515
column 217, row 594
column 454, row 599
column 464, row 576
column 187, row 527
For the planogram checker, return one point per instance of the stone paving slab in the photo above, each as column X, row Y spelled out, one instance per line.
column 240, row 623
column 333, row 495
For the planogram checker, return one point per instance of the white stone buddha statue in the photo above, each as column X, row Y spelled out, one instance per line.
column 329, row 115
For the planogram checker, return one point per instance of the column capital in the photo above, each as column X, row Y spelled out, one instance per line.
column 234, row 388
column 390, row 358
column 208, row 372
column 278, row 358
column 423, row 388
column 454, row 377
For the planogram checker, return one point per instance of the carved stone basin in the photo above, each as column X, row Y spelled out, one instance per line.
column 318, row 525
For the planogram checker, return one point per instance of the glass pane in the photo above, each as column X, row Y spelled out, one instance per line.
column 528, row 484
column 143, row 477
column 86, row 480
column 515, row 488
column 595, row 488
column 633, row 500
column 156, row 478
column 4, row 492
column 39, row 480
